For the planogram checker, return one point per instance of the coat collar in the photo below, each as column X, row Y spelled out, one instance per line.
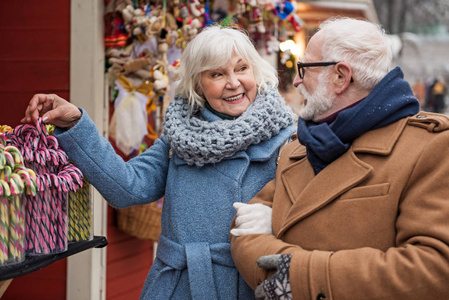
column 379, row 141
column 309, row 192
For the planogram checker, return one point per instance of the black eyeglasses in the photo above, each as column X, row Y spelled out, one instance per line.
column 301, row 66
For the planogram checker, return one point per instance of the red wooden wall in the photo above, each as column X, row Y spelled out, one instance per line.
column 35, row 58
column 128, row 262
column 34, row 53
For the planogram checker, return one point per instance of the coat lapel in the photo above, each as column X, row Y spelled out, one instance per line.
column 309, row 193
column 344, row 173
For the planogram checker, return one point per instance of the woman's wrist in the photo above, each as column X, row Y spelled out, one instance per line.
column 75, row 120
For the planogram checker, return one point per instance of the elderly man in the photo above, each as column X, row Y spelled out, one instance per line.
column 359, row 208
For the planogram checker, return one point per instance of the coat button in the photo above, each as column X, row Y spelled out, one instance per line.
column 321, row 296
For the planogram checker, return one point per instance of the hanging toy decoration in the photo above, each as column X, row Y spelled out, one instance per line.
column 207, row 20
column 296, row 22
column 284, row 9
column 196, row 9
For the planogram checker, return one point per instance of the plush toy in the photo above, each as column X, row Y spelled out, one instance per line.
column 155, row 26
column 272, row 45
column 129, row 113
column 161, row 82
column 170, row 22
column 240, row 7
column 296, row 22
column 173, row 69
column 123, row 64
column 128, row 14
column 162, row 48
column 136, row 22
column 183, row 12
column 284, row 9
column 255, row 17
column 140, row 22
column 187, row 33
column 196, row 9
column 171, row 38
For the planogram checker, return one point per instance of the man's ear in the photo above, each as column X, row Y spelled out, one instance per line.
column 343, row 77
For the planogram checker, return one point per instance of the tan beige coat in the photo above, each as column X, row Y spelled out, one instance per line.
column 374, row 224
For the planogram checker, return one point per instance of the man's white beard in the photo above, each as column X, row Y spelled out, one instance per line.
column 319, row 102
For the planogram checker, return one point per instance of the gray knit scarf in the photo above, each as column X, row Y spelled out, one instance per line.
column 200, row 142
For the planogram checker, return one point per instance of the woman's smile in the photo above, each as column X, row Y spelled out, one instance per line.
column 235, row 99
column 231, row 88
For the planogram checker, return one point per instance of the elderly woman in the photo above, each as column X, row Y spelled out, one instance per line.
column 221, row 138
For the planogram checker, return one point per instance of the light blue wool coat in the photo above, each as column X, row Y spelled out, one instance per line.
column 193, row 259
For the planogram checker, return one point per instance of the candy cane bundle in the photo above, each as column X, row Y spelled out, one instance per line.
column 46, row 212
column 80, row 214
column 80, row 210
column 15, row 181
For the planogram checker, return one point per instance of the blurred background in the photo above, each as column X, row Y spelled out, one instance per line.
column 419, row 30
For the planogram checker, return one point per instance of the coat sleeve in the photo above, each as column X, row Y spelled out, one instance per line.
column 138, row 181
column 247, row 249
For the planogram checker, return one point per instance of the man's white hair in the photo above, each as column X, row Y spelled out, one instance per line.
column 362, row 44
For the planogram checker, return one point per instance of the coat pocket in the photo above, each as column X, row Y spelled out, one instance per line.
column 368, row 191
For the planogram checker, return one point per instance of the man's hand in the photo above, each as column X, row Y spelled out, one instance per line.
column 252, row 219
column 53, row 110
column 277, row 287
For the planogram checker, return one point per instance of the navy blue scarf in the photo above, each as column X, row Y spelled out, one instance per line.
column 390, row 100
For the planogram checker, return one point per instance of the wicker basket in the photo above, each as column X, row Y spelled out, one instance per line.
column 141, row 221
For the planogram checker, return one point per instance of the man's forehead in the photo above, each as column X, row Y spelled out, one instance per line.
column 306, row 57
column 312, row 51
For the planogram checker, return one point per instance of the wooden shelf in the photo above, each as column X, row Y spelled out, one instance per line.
column 37, row 262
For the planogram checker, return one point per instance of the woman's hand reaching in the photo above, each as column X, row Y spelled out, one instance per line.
column 53, row 110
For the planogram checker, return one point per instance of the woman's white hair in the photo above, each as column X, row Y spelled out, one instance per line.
column 363, row 45
column 213, row 48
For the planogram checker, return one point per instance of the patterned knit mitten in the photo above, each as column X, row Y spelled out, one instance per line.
column 277, row 287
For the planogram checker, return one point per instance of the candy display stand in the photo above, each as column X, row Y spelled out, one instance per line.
column 37, row 262
column 40, row 190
